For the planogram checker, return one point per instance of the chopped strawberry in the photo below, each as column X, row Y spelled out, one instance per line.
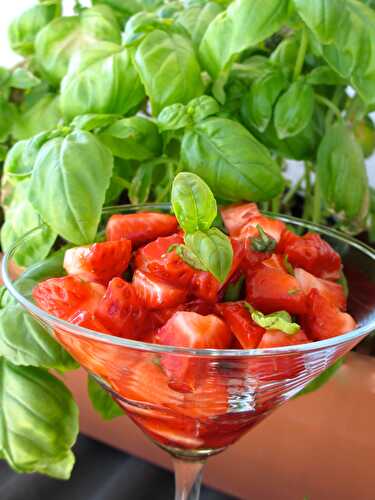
column 314, row 255
column 198, row 306
column 62, row 297
column 87, row 320
column 328, row 289
column 272, row 227
column 238, row 318
column 275, row 262
column 323, row 320
column 140, row 228
column 287, row 238
column 121, row 310
column 270, row 290
column 189, row 329
column 276, row 338
column 155, row 293
column 155, row 259
column 98, row 262
column 236, row 216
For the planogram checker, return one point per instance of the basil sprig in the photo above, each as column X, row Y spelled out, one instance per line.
column 206, row 248
column 280, row 320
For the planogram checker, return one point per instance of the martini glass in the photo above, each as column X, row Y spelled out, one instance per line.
column 237, row 388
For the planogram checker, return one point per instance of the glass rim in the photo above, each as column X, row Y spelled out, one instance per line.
column 157, row 348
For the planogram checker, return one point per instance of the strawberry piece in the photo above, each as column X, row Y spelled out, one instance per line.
column 87, row 320
column 328, row 289
column 275, row 262
column 287, row 238
column 155, row 259
column 140, row 228
column 270, row 290
column 198, row 306
column 189, row 329
column 238, row 319
column 236, row 216
column 276, row 338
column 323, row 320
column 156, row 294
column 121, row 310
column 272, row 227
column 62, row 297
column 314, row 255
column 98, row 262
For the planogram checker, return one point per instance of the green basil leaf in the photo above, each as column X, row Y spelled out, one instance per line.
column 339, row 162
column 244, row 24
column 140, row 186
column 43, row 115
column 21, row 217
column 20, row 161
column 323, row 17
column 261, row 97
column 39, row 421
column 102, row 401
column 188, row 256
column 93, row 121
column 101, row 79
column 68, row 185
column 280, row 320
column 24, row 341
column 193, row 203
column 8, row 115
column 324, row 75
column 130, row 7
column 197, row 18
column 251, row 68
column 233, row 291
column 285, row 54
column 213, row 248
column 51, row 267
column 173, row 117
column 202, row 107
column 321, row 379
column 24, row 28
column 364, row 132
column 231, row 161
column 133, row 138
column 57, row 42
column 169, row 69
column 3, row 152
column 23, row 79
column 294, row 109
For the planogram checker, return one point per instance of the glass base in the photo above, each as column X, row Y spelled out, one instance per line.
column 189, row 455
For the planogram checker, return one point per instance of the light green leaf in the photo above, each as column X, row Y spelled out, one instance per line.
column 173, row 117
column 280, row 320
column 68, row 185
column 20, row 160
column 43, row 115
column 197, row 18
column 140, row 186
column 93, row 121
column 38, row 421
column 102, row 401
column 23, row 79
column 202, row 107
column 193, row 203
column 169, row 69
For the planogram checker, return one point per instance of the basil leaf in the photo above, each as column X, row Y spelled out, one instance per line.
column 202, row 107
column 244, row 24
column 42, row 115
column 339, row 162
column 102, row 401
column 24, row 341
column 213, row 249
column 285, row 54
column 8, row 115
column 173, row 117
column 132, row 138
column 323, row 17
column 324, row 75
column 261, row 97
column 188, row 256
column 169, row 69
column 321, row 379
column 20, row 161
column 91, row 121
column 233, row 291
column 141, row 183
column 39, row 421
column 51, row 267
column 68, row 185
column 231, row 161
column 193, row 203
column 280, row 320
column 294, row 109
column 197, row 18
column 101, row 79
column 23, row 79
column 21, row 217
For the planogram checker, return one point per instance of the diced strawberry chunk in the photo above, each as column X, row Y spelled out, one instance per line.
column 98, row 262
column 276, row 338
column 88, row 320
column 287, row 238
column 270, row 290
column 198, row 306
column 62, row 297
column 140, row 228
column 323, row 320
column 236, row 216
column 238, row 318
column 121, row 310
column 272, row 227
column 314, row 255
column 328, row 289
column 155, row 259
column 275, row 262
column 156, row 294
column 189, row 329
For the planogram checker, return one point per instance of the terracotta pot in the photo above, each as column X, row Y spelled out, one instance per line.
column 318, row 446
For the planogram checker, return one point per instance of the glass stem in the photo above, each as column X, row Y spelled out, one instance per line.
column 188, row 479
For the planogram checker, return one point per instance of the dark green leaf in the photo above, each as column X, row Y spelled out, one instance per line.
column 285, row 54
column 321, row 379
column 102, row 401
column 8, row 114
column 193, row 203
column 324, row 75
column 140, row 186
column 294, row 109
column 39, row 421
column 233, row 291
column 233, row 163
